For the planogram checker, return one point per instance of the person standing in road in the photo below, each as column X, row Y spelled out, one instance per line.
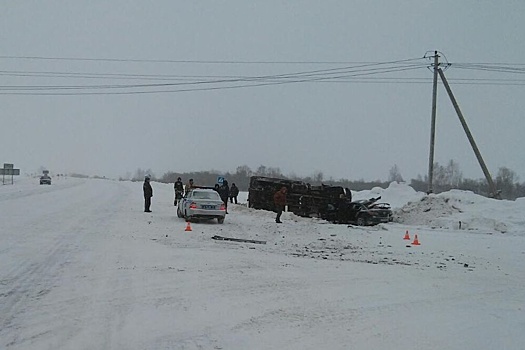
column 148, row 193
column 224, row 192
column 279, row 199
column 234, row 192
column 179, row 190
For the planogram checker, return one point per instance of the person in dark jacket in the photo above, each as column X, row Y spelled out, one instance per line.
column 178, row 186
column 234, row 192
column 224, row 192
column 148, row 193
column 279, row 199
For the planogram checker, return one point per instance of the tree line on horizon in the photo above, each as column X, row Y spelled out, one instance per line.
column 445, row 178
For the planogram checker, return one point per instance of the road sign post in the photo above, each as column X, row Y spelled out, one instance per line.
column 9, row 169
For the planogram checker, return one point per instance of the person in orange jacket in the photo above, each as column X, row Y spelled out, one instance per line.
column 279, row 199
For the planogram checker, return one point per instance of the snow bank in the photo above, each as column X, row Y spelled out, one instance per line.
column 464, row 210
column 452, row 210
column 397, row 194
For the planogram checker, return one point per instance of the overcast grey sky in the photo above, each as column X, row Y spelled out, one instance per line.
column 355, row 127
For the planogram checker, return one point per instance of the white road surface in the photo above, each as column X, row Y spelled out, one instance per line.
column 83, row 267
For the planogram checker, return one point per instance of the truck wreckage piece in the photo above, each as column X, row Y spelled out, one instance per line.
column 241, row 240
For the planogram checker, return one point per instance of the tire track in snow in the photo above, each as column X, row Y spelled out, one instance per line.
column 36, row 274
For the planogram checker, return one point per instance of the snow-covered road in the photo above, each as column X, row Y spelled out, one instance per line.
column 83, row 267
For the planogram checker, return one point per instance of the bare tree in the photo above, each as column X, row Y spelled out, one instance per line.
column 394, row 174
column 244, row 171
column 318, row 177
column 140, row 174
column 505, row 182
column 274, row 172
column 261, row 170
column 293, row 176
column 453, row 174
column 440, row 177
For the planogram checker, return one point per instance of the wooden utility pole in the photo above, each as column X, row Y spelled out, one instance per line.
column 492, row 187
column 433, row 125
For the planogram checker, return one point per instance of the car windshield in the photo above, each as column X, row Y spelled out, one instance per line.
column 205, row 195
column 359, row 206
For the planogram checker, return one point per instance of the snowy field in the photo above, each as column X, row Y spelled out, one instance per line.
column 83, row 267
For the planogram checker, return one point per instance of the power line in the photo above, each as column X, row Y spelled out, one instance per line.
column 82, row 75
column 304, row 73
column 355, row 73
column 297, row 79
column 179, row 61
column 153, row 77
column 305, row 76
column 50, row 58
column 497, row 69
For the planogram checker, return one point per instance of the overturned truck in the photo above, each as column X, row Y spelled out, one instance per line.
column 303, row 199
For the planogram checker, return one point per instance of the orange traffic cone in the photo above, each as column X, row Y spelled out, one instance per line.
column 407, row 236
column 188, row 226
column 416, row 242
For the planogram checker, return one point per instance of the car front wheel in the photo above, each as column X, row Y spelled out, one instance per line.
column 362, row 221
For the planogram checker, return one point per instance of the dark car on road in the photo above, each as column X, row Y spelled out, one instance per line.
column 45, row 180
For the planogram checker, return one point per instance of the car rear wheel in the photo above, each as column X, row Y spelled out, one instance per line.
column 179, row 215
column 220, row 220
